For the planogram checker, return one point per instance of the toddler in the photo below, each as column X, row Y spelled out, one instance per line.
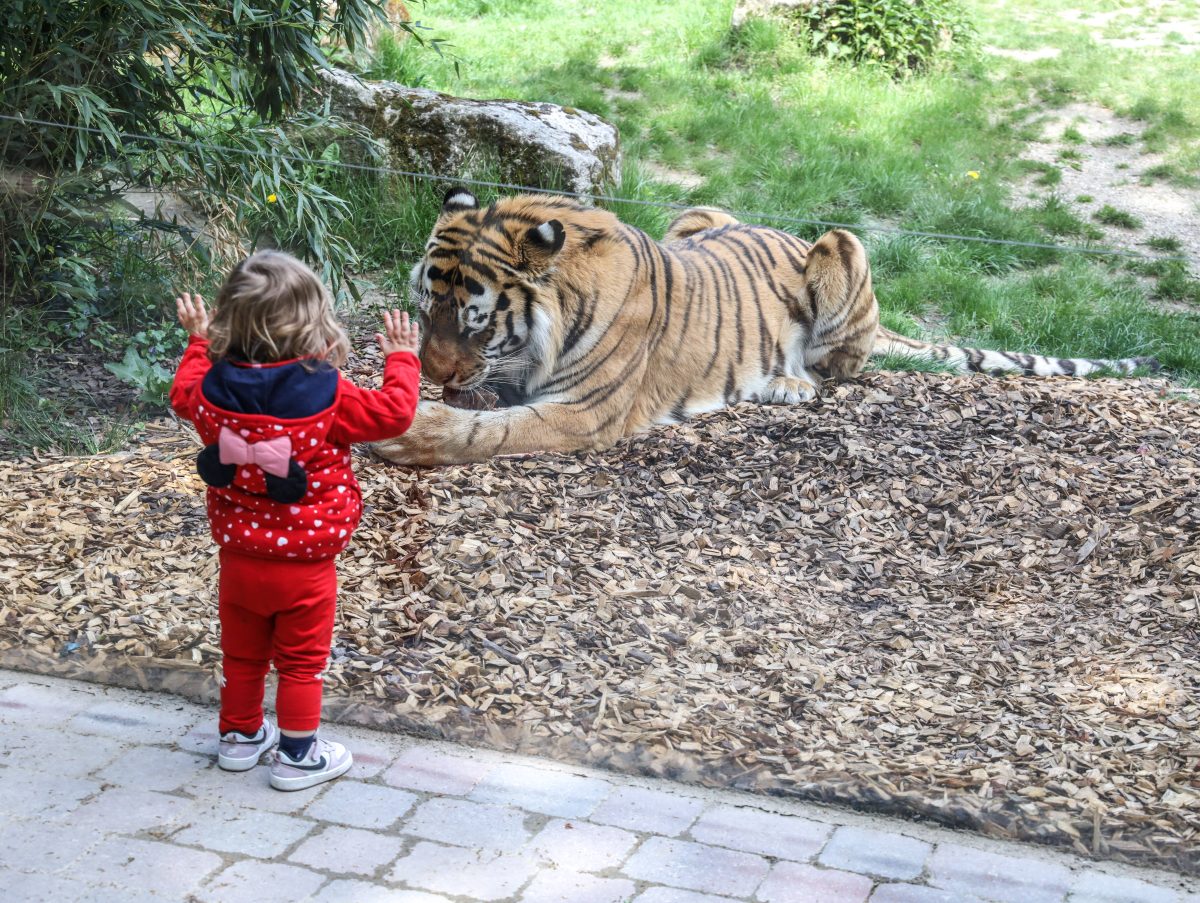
column 261, row 384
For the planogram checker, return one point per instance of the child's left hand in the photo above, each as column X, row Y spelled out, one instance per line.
column 192, row 315
column 400, row 334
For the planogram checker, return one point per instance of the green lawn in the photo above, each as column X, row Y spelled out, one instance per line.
column 766, row 127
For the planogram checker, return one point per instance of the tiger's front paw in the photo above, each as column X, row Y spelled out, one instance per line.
column 788, row 390
column 424, row 441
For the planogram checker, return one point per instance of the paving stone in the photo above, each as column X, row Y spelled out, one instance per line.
column 456, row 871
column 917, row 893
column 261, row 882
column 203, row 739
column 144, row 866
column 790, row 882
column 132, row 721
column 127, row 810
column 696, row 866
column 35, row 846
column 649, row 811
column 37, row 704
column 260, row 834
column 873, row 852
column 541, row 790
column 153, row 768
column 428, row 769
column 1097, row 887
column 361, row 805
column 362, row 892
column 87, row 824
column 45, row 796
column 249, row 789
column 581, row 847
column 467, row 824
column 755, row 831
column 565, row 886
column 1010, row 879
column 349, row 850
column 25, row 746
column 370, row 758
column 24, row 887
column 675, row 895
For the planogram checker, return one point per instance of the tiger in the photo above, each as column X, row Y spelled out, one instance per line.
column 586, row 329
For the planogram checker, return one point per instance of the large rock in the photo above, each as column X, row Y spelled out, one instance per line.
column 536, row 144
column 744, row 9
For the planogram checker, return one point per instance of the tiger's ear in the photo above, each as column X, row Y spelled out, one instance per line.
column 458, row 198
column 540, row 245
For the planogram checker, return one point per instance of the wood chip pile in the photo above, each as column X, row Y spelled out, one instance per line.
column 974, row 600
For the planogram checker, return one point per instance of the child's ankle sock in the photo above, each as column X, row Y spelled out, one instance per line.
column 296, row 747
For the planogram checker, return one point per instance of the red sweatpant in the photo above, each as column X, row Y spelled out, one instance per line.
column 281, row 611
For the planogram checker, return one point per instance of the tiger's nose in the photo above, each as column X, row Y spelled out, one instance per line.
column 437, row 368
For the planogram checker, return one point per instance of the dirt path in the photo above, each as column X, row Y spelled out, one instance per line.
column 1103, row 164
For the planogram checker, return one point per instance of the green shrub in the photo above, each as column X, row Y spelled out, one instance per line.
column 901, row 35
column 212, row 102
column 182, row 74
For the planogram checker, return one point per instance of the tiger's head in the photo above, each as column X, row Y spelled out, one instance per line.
column 480, row 285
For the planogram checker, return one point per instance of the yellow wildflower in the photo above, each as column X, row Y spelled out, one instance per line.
column 973, row 174
column 271, row 199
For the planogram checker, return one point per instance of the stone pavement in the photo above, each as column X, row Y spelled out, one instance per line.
column 114, row 795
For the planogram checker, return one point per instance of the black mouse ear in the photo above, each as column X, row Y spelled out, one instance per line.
column 290, row 489
column 211, row 470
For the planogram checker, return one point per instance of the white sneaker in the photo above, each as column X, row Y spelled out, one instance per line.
column 324, row 761
column 237, row 752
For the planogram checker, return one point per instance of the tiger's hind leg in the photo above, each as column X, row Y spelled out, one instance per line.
column 841, row 302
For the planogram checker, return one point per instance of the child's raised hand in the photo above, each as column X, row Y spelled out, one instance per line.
column 192, row 315
column 400, row 334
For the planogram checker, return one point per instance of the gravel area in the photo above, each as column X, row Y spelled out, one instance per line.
column 973, row 600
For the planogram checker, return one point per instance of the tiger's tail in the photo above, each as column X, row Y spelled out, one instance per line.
column 998, row 363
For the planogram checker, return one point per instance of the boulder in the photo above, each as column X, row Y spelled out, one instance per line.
column 536, row 144
column 744, row 9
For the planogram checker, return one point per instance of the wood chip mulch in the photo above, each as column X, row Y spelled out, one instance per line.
column 974, row 600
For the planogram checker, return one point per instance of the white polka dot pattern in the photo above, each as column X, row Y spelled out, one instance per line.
column 319, row 525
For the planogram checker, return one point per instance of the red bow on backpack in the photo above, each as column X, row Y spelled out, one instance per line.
column 272, row 455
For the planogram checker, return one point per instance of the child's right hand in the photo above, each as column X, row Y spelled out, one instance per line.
column 399, row 334
column 192, row 315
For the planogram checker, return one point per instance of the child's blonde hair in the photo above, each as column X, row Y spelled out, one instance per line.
column 273, row 307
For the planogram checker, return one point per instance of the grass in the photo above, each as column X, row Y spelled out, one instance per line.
column 35, row 411
column 1124, row 139
column 1173, row 282
column 1165, row 243
column 1111, row 216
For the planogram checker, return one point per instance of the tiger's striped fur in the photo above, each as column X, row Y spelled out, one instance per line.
column 589, row 330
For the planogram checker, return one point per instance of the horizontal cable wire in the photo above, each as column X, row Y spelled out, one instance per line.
column 669, row 205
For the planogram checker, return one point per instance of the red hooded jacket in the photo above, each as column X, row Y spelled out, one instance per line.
column 316, row 413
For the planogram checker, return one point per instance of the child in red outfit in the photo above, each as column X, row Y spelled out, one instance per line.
column 261, row 384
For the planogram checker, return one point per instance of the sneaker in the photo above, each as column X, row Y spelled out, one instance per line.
column 237, row 752
column 324, row 761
